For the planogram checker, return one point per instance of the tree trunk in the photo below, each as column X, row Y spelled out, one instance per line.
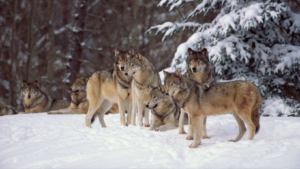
column 30, row 24
column 12, row 71
column 76, row 38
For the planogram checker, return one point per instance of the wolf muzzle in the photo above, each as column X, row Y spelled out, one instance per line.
column 29, row 96
column 194, row 69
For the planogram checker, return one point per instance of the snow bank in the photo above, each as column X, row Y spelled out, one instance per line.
column 62, row 141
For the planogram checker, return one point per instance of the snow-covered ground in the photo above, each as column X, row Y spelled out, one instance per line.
column 62, row 141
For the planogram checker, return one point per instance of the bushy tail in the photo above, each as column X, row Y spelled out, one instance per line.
column 256, row 112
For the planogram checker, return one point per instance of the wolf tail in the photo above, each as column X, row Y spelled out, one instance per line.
column 256, row 112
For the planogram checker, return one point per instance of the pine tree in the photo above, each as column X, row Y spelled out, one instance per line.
column 255, row 40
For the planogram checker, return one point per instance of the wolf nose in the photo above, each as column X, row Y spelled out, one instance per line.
column 28, row 96
column 70, row 89
column 194, row 69
column 122, row 68
column 167, row 94
column 126, row 74
column 147, row 106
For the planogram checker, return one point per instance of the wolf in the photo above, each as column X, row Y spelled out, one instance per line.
column 144, row 75
column 104, row 88
column 199, row 69
column 242, row 98
column 79, row 103
column 165, row 111
column 35, row 100
column 7, row 110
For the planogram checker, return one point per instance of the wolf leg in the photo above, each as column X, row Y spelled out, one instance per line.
column 242, row 128
column 140, row 107
column 154, row 123
column 191, row 131
column 203, row 129
column 181, row 122
column 146, row 116
column 196, row 124
column 105, row 106
column 121, row 105
column 129, row 107
column 93, row 106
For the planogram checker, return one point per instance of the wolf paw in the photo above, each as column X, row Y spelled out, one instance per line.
column 189, row 138
column 204, row 137
column 156, row 129
column 182, row 132
column 193, row 145
column 147, row 125
column 232, row 140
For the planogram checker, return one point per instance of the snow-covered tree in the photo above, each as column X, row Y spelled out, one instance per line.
column 255, row 40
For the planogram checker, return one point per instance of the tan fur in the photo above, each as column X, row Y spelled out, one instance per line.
column 35, row 100
column 144, row 74
column 105, row 88
column 242, row 98
column 165, row 112
column 199, row 69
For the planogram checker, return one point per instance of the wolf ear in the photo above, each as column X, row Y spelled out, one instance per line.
column 77, row 75
column 117, row 51
column 140, row 57
column 190, row 51
column 130, row 50
column 163, row 89
column 24, row 83
column 150, row 87
column 36, row 83
column 166, row 73
column 205, row 52
column 178, row 73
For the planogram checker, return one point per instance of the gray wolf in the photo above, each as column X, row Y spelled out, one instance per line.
column 165, row 112
column 79, row 103
column 7, row 110
column 199, row 69
column 104, row 88
column 144, row 75
column 35, row 100
column 242, row 98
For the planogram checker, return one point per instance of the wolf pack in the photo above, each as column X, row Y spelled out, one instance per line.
column 133, row 86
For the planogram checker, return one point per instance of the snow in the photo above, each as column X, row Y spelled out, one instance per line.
column 62, row 141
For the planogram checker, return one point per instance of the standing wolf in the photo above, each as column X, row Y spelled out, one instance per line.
column 7, row 110
column 242, row 98
column 35, row 100
column 199, row 69
column 165, row 112
column 144, row 75
column 107, row 87
column 79, row 103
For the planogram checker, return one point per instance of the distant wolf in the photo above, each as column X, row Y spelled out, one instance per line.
column 165, row 112
column 104, row 88
column 144, row 75
column 35, row 100
column 7, row 110
column 199, row 69
column 79, row 103
column 242, row 98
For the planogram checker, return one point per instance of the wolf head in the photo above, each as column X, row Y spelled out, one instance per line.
column 79, row 84
column 30, row 90
column 136, row 64
column 157, row 95
column 197, row 61
column 173, row 82
column 122, row 58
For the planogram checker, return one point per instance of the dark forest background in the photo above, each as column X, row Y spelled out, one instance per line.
column 53, row 40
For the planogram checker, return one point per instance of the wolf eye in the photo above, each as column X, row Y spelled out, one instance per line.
column 32, row 90
column 172, row 84
column 154, row 97
column 132, row 65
